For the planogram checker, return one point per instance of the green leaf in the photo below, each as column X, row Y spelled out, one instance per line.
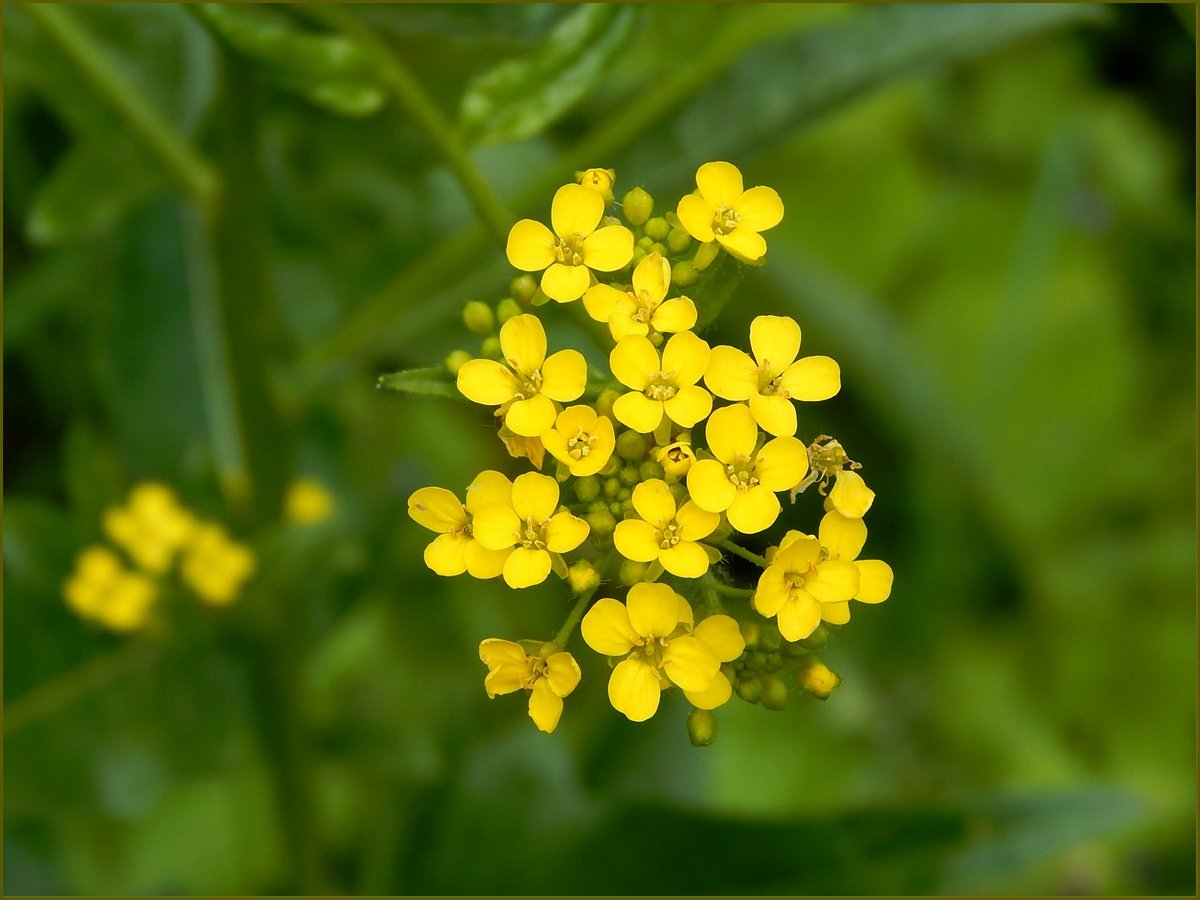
column 330, row 71
column 432, row 382
column 521, row 97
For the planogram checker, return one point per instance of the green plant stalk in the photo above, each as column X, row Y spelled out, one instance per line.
column 743, row 553
column 577, row 611
column 191, row 172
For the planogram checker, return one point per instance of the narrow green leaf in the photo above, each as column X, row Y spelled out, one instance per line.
column 521, row 97
column 431, row 382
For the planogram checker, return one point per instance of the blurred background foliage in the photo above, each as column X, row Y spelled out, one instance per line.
column 222, row 223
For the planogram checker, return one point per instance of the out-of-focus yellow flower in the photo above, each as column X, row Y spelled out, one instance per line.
column 817, row 678
column 665, row 534
column 152, row 527
column 644, row 309
column 842, row 538
column 530, row 382
column 740, row 480
column 455, row 550
column 721, row 210
column 677, row 458
column 215, row 566
column 599, row 180
column 548, row 676
column 307, row 502
column 529, row 525
column 774, row 377
column 575, row 246
column 103, row 590
column 660, row 386
column 802, row 586
column 581, row 439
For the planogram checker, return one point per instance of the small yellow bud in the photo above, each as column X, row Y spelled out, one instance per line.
column 702, row 727
column 676, row 459
column 478, row 317
column 684, row 274
column 705, row 255
column 658, row 228
column 599, row 180
column 506, row 309
column 523, row 287
column 818, row 679
column 456, row 360
column 583, row 577
column 637, row 205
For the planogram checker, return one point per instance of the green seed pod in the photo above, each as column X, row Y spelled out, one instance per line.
column 491, row 347
column 650, row 469
column 678, row 240
column 602, row 522
column 658, row 228
column 750, row 689
column 637, row 206
column 612, row 487
column 632, row 572
column 629, row 476
column 456, row 360
column 523, row 287
column 684, row 274
column 631, row 446
column 587, row 488
column 774, row 693
column 612, row 467
column 506, row 309
column 604, row 403
column 478, row 317
column 702, row 727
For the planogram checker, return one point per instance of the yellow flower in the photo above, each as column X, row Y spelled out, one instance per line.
column 641, row 310
column 307, row 502
column 842, row 538
column 530, row 381
column 215, row 566
column 578, row 246
column 664, row 534
column 599, row 180
column 529, row 524
column 653, row 631
column 581, row 439
column 741, row 480
column 720, row 210
column 666, row 386
column 549, row 676
column 151, row 527
column 850, row 495
column 802, row 586
column 774, row 377
column 455, row 550
column 677, row 458
column 103, row 590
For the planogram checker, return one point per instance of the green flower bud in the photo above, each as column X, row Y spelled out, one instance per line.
column 631, row 445
column 523, row 288
column 774, row 693
column 612, row 487
column 639, row 253
column 587, row 488
column 658, row 228
column 602, row 522
column 617, row 508
column 457, row 360
column 627, row 506
column 650, row 469
column 491, row 347
column 678, row 240
column 561, row 471
column 637, row 206
column 632, row 572
column 684, row 274
column 645, row 243
column 755, row 659
column 751, row 633
column 659, row 248
column 629, row 476
column 539, row 298
column 702, row 727
column 705, row 255
column 612, row 467
column 771, row 638
column 506, row 309
column 793, row 651
column 773, row 662
column 604, row 403
column 478, row 317
column 583, row 577
column 817, row 639
column 750, row 689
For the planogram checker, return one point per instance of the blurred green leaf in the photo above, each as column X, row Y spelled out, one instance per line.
column 434, row 382
column 520, row 98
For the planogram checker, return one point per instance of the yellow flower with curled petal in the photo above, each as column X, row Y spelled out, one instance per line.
column 774, row 378
column 215, row 566
column 644, row 309
column 581, row 439
column 529, row 525
column 653, row 631
column 842, row 538
column 103, row 590
column 574, row 247
column 721, row 210
column 660, row 386
column 802, row 586
column 549, row 675
column 740, row 481
column 456, row 550
column 152, row 527
column 530, row 382
column 666, row 534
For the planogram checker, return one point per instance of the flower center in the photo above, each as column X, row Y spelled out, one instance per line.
column 768, row 386
column 795, row 580
column 581, row 445
column 530, row 536
column 726, row 220
column 529, row 385
column 652, row 651
column 669, row 536
column 644, row 306
column 661, row 386
column 741, row 473
column 569, row 250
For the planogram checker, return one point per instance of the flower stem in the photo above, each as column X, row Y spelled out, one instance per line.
column 728, row 591
column 568, row 628
column 743, row 553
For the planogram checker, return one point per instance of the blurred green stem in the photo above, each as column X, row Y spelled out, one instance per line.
column 727, row 591
column 577, row 611
column 743, row 553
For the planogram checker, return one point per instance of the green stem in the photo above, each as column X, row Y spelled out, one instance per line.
column 425, row 113
column 728, row 591
column 577, row 611
column 743, row 553
column 191, row 172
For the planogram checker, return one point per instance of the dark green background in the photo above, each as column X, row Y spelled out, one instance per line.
column 990, row 224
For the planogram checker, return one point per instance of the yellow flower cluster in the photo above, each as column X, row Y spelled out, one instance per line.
column 651, row 482
column 154, row 532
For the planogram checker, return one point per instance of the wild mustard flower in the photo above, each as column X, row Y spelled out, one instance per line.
column 599, row 180
column 774, row 377
column 549, row 675
column 215, row 566
column 455, row 550
column 842, row 538
column 581, row 439
column 103, row 590
column 721, row 210
column 803, row 587
column 666, row 533
column 152, row 527
column 528, row 385
column 665, row 386
column 307, row 502
column 644, row 308
column 575, row 247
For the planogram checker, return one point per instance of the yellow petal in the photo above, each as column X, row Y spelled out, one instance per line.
column 639, row 412
column 534, row 497
column 690, row 663
column 842, row 536
column 577, row 418
column 633, row 361
column 633, row 689
column 689, row 406
column 484, row 563
column 523, row 343
column 799, row 617
column 760, row 208
column 651, row 277
column 606, row 628
column 775, row 341
column 545, row 706
column 608, row 249
column 754, row 510
column 686, row 617
column 874, row 581
column 564, row 375
column 771, row 593
column 720, row 633
column 695, row 523
column 731, row 374
column 496, row 526
column 575, row 210
column 716, row 694
column 530, row 246
column 562, row 673
column 812, row 378
column 525, row 568
column 731, row 432
column 486, row 381
column 636, row 540
column 495, row 652
column 796, row 554
column 447, row 554
column 781, row 463
column 834, row 581
column 697, row 215
column 720, row 183
column 835, row 613
column 435, row 508
column 529, row 418
column 744, row 244
column 675, row 315
column 850, row 495
column 564, row 532
column 774, row 413
column 653, row 609
column 600, row 300
column 654, row 502
column 488, row 487
column 686, row 560
column 709, row 486
column 506, row 678
column 687, row 356
column 565, row 283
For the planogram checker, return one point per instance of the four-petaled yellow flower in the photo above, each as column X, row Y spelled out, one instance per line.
column 721, row 210
column 802, row 586
column 530, row 382
column 530, row 525
column 105, row 591
column 581, row 439
column 740, row 480
column 215, row 566
column 653, row 631
column 575, row 246
column 643, row 309
column 842, row 538
column 548, row 676
column 152, row 527
column 666, row 534
column 456, row 550
column 774, row 378
column 660, row 386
